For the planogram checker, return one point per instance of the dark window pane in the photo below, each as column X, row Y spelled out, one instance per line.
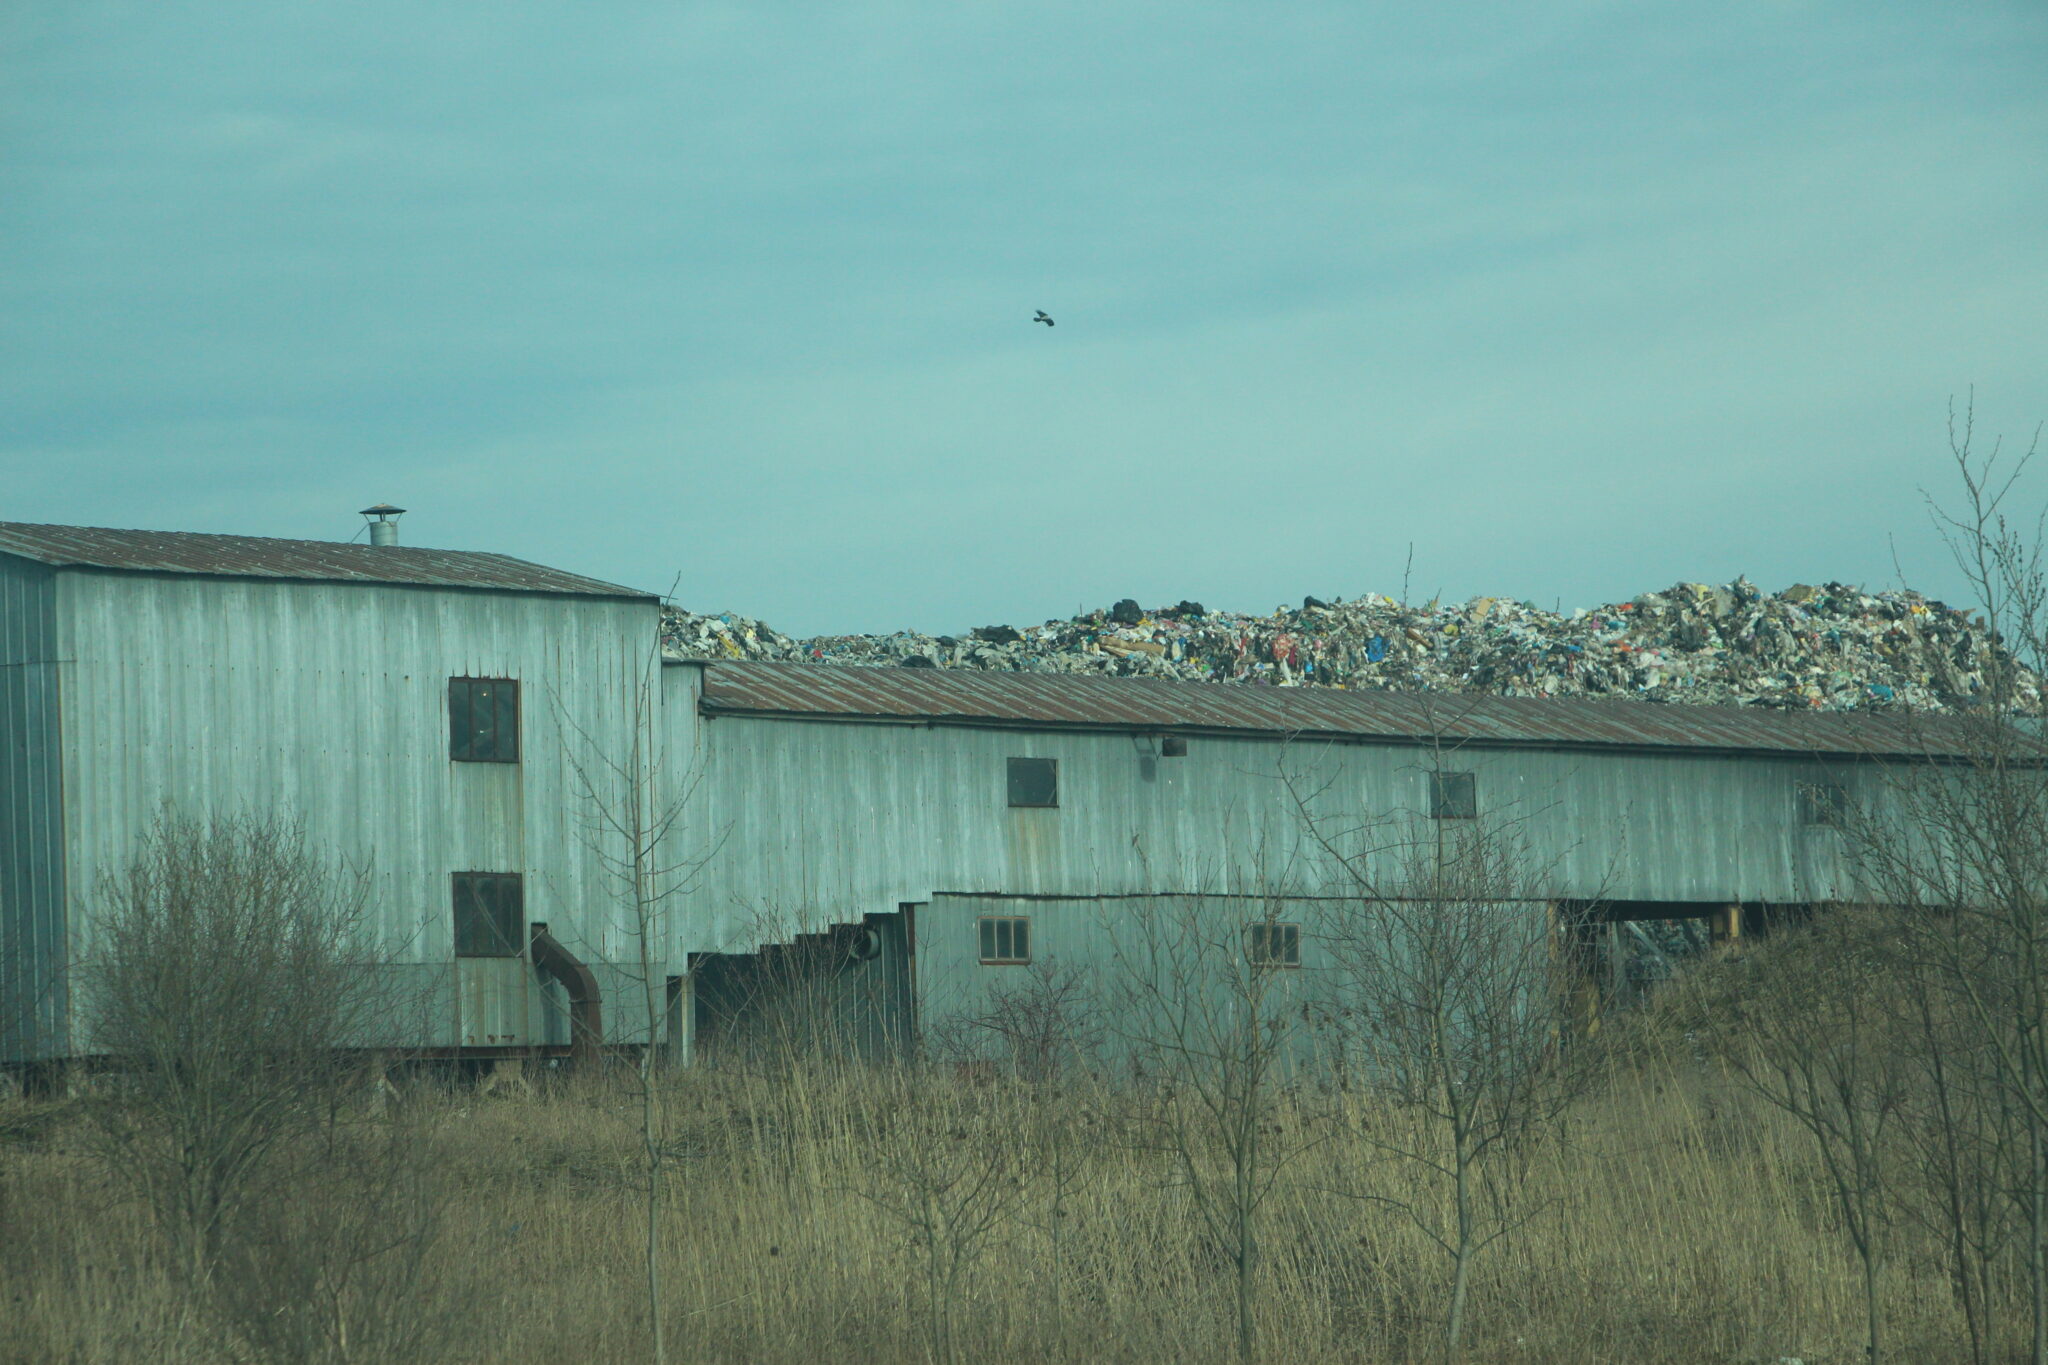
column 458, row 718
column 483, row 720
column 508, row 722
column 1822, row 803
column 1034, row 782
column 1005, row 938
column 483, row 715
column 490, row 913
column 1277, row 945
column 1453, row 796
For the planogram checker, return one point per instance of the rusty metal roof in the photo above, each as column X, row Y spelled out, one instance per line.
column 186, row 552
column 1079, row 701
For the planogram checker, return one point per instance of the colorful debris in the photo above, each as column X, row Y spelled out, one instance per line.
column 1831, row 648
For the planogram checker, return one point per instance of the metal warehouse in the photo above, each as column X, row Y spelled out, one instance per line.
column 422, row 712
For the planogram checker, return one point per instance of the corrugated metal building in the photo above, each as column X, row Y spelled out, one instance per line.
column 910, row 831
column 842, row 796
column 238, row 675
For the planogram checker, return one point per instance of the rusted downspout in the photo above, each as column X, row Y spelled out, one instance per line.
column 586, row 1004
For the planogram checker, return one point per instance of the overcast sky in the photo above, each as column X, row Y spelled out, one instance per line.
column 1580, row 298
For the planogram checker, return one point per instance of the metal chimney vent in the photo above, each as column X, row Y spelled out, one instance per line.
column 383, row 523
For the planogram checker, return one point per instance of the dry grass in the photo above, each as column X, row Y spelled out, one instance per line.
column 1673, row 1220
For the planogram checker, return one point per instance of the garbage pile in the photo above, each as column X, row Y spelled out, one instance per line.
column 1826, row 648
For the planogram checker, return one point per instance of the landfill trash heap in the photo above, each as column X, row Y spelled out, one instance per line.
column 1822, row 648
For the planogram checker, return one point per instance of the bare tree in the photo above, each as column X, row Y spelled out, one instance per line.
column 1959, row 842
column 1211, row 1016
column 1448, row 987
column 1042, row 1034
column 1818, row 1036
column 1043, row 1024
column 230, row 969
column 632, row 805
column 347, row 1270
column 946, row 1168
column 1959, row 1137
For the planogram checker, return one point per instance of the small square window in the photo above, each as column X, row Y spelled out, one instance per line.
column 1822, row 803
column 1453, row 796
column 1005, row 939
column 490, row 914
column 1034, row 782
column 483, row 720
column 1273, row 945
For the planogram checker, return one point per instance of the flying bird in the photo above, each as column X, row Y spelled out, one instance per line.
column 1042, row 318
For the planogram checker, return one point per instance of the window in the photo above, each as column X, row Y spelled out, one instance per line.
column 1273, row 945
column 490, row 913
column 1034, row 782
column 1822, row 803
column 1005, row 940
column 1453, row 796
column 483, row 720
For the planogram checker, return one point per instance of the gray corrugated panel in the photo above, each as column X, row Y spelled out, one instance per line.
column 184, row 552
column 33, row 1002
column 1057, row 699
column 816, row 820
column 328, row 704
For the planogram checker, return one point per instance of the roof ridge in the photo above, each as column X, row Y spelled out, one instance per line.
column 220, row 553
column 1081, row 700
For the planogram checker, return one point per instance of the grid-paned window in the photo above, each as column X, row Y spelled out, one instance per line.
column 1822, row 803
column 483, row 720
column 1273, row 945
column 1005, row 939
column 1453, row 796
column 490, row 914
column 1034, row 782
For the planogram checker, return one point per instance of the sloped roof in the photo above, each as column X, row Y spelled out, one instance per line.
column 187, row 552
column 1081, row 701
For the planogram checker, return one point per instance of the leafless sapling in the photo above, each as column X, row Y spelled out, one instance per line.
column 633, row 800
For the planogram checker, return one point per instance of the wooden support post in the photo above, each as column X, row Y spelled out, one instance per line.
column 1728, row 926
column 675, row 1048
column 1613, row 963
column 1580, row 956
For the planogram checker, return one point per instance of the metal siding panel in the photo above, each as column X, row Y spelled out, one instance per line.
column 33, row 998
column 328, row 703
column 1102, row 939
column 493, row 1001
column 822, row 821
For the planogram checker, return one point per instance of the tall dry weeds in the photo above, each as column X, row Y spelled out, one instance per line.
column 1682, row 1220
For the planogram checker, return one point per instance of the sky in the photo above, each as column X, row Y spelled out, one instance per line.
column 1562, row 302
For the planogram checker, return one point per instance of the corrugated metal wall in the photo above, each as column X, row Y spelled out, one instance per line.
column 1100, row 969
column 329, row 703
column 820, row 822
column 33, row 1000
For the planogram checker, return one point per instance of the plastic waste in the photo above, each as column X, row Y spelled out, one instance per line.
column 1825, row 647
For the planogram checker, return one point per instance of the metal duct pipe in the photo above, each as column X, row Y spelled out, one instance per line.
column 383, row 520
column 586, row 1004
